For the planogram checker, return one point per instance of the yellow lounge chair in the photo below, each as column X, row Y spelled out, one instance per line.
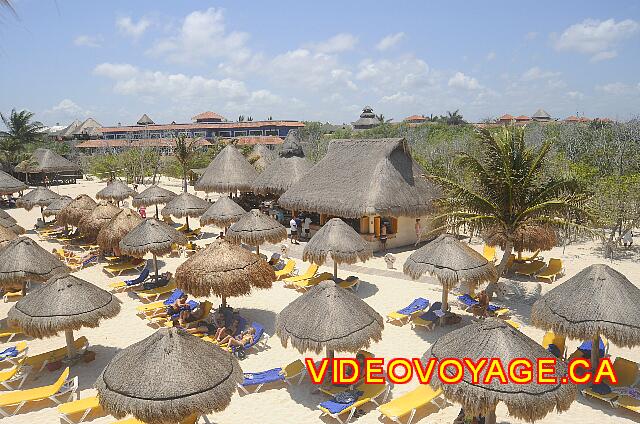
column 529, row 258
column 9, row 333
column 17, row 398
column 10, row 296
column 150, row 308
column 288, row 269
column 116, row 269
column 409, row 403
column 332, row 390
column 80, row 406
column 183, row 227
column 163, row 321
column 9, row 361
column 155, row 294
column 398, row 317
column 351, row 283
column 551, row 338
column 514, row 324
column 309, row 273
column 195, row 233
column 489, row 252
column 40, row 361
column 529, row 268
column 627, row 373
column 552, row 271
column 307, row 284
column 14, row 374
column 370, row 393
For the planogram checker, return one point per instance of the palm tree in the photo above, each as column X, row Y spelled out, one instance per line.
column 382, row 119
column 21, row 132
column 184, row 152
column 513, row 192
column 453, row 118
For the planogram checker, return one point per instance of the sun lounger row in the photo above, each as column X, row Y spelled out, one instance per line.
column 626, row 392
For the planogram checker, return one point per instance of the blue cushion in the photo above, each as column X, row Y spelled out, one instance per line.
column 467, row 300
column 143, row 276
column 174, row 296
column 9, row 352
column 586, row 347
column 269, row 376
column 335, row 407
column 418, row 304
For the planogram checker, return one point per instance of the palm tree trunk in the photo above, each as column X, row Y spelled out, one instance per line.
column 505, row 258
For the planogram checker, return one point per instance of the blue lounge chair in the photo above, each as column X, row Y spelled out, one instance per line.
column 429, row 318
column 175, row 295
column 123, row 285
column 286, row 374
column 192, row 304
column 585, row 347
column 418, row 305
column 260, row 337
column 469, row 302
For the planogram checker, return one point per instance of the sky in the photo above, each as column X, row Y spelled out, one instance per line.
column 115, row 60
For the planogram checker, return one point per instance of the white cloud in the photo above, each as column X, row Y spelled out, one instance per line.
column 115, row 70
column 491, row 56
column 391, row 75
column 66, row 110
column 128, row 27
column 338, row 43
column 616, row 88
column 203, row 35
column 531, row 35
column 575, row 95
column 87, row 41
column 596, row 38
column 536, row 73
column 460, row 80
column 390, row 41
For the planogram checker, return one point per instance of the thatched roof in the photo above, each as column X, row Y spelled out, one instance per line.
column 119, row 226
column 39, row 196
column 228, row 171
column 340, row 240
column 6, row 235
column 5, row 216
column 153, row 195
column 56, row 206
column 24, row 260
column 79, row 207
column 494, row 338
column 93, row 222
column 526, row 237
column 116, row 190
column 597, row 300
column 10, row 185
column 255, row 228
column 292, row 146
column 145, row 120
column 10, row 224
column 364, row 177
column 167, row 377
column 451, row 261
column 151, row 236
column 281, row 174
column 225, row 270
column 45, row 160
column 185, row 204
column 261, row 156
column 328, row 316
column 222, row 213
column 65, row 302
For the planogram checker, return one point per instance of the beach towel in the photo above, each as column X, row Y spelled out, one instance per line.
column 418, row 304
column 269, row 376
column 10, row 352
column 336, row 407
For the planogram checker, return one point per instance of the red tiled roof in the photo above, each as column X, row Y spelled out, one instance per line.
column 416, row 118
column 522, row 118
column 585, row 119
column 201, row 125
column 505, row 117
column 263, row 139
column 208, row 115
column 572, row 119
column 146, row 142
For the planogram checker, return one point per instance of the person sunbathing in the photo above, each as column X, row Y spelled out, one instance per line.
column 225, row 332
column 480, row 308
column 175, row 308
column 242, row 339
column 205, row 325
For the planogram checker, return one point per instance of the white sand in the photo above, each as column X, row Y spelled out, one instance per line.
column 297, row 404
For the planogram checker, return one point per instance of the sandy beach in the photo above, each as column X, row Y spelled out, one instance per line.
column 385, row 290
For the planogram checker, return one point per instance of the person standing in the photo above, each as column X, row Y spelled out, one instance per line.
column 143, row 212
column 418, row 228
column 627, row 239
column 306, row 227
column 293, row 228
column 383, row 237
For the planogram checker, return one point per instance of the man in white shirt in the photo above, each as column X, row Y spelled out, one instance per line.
column 306, row 227
column 293, row 226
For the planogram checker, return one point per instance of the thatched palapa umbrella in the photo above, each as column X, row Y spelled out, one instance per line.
column 10, row 224
column 255, row 228
column 452, row 262
column 5, row 216
column 116, row 191
column 222, row 213
column 39, row 196
column 528, row 237
column 285, row 171
column 494, row 338
column 228, row 172
column 153, row 195
column 56, row 206
column 186, row 205
column 596, row 301
column 91, row 224
column 224, row 269
column 339, row 240
column 151, row 236
column 79, row 207
column 6, row 235
column 10, row 184
column 119, row 226
column 65, row 303
column 24, row 260
column 168, row 377
column 330, row 317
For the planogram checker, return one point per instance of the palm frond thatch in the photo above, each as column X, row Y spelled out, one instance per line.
column 255, row 228
column 119, row 226
column 91, row 224
column 116, row 191
column 153, row 195
column 79, row 207
column 10, row 224
column 222, row 213
column 339, row 240
column 39, row 196
column 46, row 161
column 228, row 172
column 56, row 206
column 6, row 235
column 151, row 236
column 24, row 260
column 185, row 204
column 10, row 184
column 525, row 238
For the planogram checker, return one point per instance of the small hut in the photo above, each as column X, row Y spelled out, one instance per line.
column 285, row 171
column 369, row 183
column 228, row 172
column 79, row 207
column 47, row 163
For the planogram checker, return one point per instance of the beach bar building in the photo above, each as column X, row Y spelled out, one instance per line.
column 369, row 183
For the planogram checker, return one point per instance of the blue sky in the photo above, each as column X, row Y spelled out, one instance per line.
column 114, row 60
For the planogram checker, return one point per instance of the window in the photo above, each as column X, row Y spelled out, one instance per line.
column 121, row 136
column 224, row 134
column 255, row 132
column 199, row 134
column 155, row 135
column 240, row 133
column 271, row 132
